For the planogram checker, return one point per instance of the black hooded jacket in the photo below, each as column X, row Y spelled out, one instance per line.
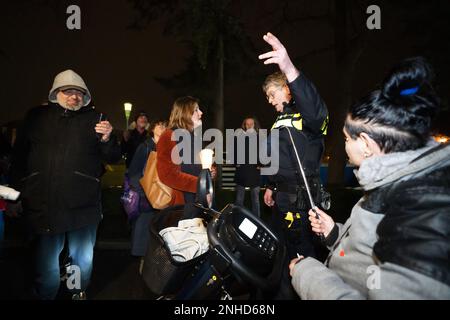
column 57, row 164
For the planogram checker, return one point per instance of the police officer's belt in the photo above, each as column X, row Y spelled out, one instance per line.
column 295, row 187
column 288, row 188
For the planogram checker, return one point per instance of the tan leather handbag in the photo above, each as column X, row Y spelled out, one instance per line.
column 158, row 194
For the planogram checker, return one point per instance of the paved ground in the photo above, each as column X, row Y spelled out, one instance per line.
column 115, row 273
column 115, row 276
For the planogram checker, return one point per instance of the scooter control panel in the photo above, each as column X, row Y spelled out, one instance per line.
column 260, row 239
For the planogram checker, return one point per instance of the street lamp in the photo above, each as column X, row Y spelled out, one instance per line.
column 127, row 107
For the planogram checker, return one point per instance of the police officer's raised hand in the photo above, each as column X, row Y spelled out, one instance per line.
column 268, row 198
column 104, row 128
column 324, row 225
column 279, row 56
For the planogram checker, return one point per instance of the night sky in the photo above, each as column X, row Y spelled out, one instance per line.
column 120, row 64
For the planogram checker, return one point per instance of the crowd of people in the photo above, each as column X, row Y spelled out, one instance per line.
column 399, row 229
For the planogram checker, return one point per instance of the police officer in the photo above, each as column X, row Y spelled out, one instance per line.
column 302, row 121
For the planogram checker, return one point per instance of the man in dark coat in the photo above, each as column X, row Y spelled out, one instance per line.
column 57, row 164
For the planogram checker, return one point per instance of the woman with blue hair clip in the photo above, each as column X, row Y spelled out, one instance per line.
column 396, row 243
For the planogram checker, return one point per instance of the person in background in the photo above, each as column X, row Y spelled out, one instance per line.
column 133, row 138
column 396, row 243
column 249, row 174
column 56, row 165
column 140, row 224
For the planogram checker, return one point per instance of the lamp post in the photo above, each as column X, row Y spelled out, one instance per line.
column 127, row 107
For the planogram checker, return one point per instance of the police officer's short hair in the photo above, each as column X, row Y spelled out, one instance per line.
column 275, row 79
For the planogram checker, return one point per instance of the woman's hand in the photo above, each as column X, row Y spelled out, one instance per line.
column 293, row 263
column 324, row 225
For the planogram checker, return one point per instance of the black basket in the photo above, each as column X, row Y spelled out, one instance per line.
column 162, row 274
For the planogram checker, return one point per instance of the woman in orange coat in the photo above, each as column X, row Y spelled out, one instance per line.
column 182, row 178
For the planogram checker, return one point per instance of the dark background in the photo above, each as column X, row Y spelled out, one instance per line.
column 148, row 52
column 120, row 63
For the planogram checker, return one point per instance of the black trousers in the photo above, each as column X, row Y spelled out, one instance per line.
column 296, row 234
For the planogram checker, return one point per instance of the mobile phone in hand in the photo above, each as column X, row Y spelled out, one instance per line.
column 102, row 117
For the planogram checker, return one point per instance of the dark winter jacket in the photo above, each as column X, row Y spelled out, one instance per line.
column 182, row 178
column 136, row 171
column 57, row 164
column 396, row 243
column 130, row 146
column 247, row 173
column 309, row 140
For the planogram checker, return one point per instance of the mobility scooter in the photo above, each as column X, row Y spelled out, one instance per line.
column 244, row 260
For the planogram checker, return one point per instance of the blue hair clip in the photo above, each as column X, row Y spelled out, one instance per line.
column 409, row 92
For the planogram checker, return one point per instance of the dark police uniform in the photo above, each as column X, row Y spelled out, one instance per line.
column 306, row 117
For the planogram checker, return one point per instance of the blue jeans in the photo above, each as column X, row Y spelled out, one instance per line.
column 46, row 258
column 240, row 196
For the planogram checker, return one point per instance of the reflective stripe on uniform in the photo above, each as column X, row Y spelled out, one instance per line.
column 296, row 121
column 289, row 120
column 290, row 217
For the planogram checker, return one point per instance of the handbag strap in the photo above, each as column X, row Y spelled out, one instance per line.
column 147, row 152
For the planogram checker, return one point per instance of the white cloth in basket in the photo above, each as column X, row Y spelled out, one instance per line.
column 187, row 241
